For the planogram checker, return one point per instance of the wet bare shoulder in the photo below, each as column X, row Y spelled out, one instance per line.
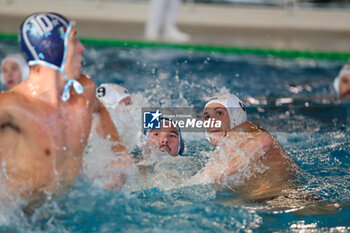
column 249, row 127
column 89, row 86
column 87, row 83
column 12, row 108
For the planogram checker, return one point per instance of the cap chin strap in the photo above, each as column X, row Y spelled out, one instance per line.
column 66, row 90
column 179, row 148
column 69, row 82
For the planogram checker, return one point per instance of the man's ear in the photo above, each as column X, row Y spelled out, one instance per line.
column 35, row 68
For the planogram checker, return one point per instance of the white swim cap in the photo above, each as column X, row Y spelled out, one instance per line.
column 22, row 65
column 234, row 106
column 111, row 94
column 344, row 70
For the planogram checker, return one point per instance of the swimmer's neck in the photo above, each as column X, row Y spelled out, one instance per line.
column 46, row 85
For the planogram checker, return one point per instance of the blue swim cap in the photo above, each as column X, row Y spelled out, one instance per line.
column 44, row 39
column 181, row 148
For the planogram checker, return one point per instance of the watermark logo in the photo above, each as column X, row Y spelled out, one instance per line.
column 151, row 120
column 192, row 123
column 186, row 119
column 326, row 118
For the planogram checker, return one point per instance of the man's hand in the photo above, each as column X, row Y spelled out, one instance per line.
column 238, row 150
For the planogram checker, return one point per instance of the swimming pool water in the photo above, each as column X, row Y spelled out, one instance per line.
column 293, row 98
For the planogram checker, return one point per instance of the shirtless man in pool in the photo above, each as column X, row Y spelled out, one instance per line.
column 45, row 121
column 168, row 138
column 236, row 134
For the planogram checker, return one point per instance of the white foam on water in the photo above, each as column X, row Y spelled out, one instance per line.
column 232, row 161
column 98, row 155
column 160, row 170
column 11, row 213
column 98, row 160
column 165, row 172
column 127, row 119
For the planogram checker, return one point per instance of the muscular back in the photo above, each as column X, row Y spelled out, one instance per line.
column 41, row 144
column 279, row 169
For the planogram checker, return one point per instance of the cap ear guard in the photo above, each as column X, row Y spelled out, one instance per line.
column 336, row 84
column 2, row 80
column 181, row 145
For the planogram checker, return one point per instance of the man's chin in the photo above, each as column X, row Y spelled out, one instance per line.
column 164, row 149
column 168, row 152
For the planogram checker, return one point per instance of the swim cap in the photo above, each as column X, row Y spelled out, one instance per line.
column 111, row 94
column 44, row 39
column 234, row 106
column 344, row 70
column 181, row 147
column 22, row 65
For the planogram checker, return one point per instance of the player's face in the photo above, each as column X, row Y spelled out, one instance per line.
column 217, row 112
column 166, row 139
column 344, row 86
column 11, row 73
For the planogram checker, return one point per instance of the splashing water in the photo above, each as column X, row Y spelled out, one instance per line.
column 170, row 198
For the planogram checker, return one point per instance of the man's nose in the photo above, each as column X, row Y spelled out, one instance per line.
column 164, row 140
column 81, row 47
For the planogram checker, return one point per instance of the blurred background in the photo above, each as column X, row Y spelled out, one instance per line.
column 306, row 25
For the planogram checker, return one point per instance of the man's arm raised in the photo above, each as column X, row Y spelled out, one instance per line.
column 105, row 128
column 240, row 149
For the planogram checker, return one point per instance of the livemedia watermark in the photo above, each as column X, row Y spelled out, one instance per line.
column 273, row 119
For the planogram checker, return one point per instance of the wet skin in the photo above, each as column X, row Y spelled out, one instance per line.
column 125, row 101
column 166, row 139
column 256, row 144
column 344, row 86
column 42, row 138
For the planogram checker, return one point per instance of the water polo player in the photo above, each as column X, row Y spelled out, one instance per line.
column 247, row 145
column 14, row 70
column 46, row 120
